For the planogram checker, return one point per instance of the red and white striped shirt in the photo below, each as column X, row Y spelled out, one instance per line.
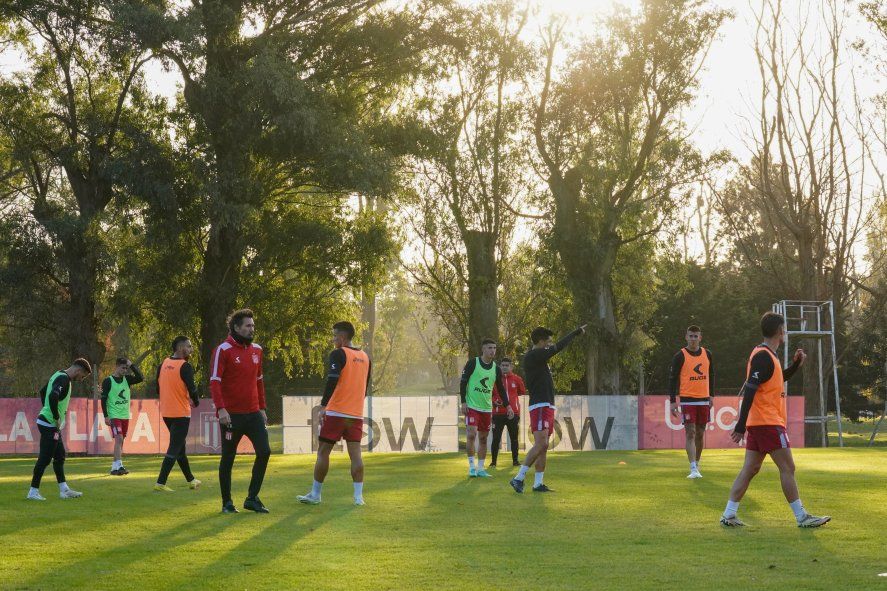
column 236, row 380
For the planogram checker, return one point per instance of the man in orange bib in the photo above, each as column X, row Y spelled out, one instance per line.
column 340, row 414
column 762, row 419
column 692, row 377
column 178, row 395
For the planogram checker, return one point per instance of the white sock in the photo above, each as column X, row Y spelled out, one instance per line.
column 522, row 473
column 539, row 476
column 480, row 464
column 33, row 491
column 315, row 488
column 694, row 466
column 63, row 486
column 471, row 462
column 116, row 465
column 358, row 490
column 732, row 508
column 798, row 509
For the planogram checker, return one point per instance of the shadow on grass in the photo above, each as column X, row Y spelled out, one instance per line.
column 268, row 543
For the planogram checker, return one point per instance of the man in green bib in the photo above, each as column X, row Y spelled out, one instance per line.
column 476, row 393
column 115, row 406
column 55, row 397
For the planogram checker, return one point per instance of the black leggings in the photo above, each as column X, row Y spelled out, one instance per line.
column 253, row 426
column 52, row 449
column 178, row 434
column 499, row 423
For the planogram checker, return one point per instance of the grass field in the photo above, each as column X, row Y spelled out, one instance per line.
column 857, row 434
column 638, row 525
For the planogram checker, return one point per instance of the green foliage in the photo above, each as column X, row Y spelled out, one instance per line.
column 473, row 169
column 718, row 299
column 609, row 134
column 82, row 139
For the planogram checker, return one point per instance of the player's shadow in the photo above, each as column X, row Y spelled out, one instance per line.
column 120, row 556
column 270, row 541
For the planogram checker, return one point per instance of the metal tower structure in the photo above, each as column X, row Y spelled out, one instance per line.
column 814, row 320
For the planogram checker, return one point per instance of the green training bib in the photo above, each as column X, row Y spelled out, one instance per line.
column 46, row 412
column 118, row 400
column 479, row 390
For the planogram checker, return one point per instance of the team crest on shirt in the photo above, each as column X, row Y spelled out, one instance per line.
column 255, row 359
column 209, row 430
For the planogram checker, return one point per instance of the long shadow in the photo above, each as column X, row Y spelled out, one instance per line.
column 267, row 544
column 122, row 556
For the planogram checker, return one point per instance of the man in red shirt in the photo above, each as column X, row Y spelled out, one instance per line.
column 516, row 388
column 239, row 396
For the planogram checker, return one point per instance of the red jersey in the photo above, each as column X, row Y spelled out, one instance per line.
column 515, row 386
column 236, row 381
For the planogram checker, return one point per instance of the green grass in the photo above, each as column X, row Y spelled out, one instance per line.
column 275, row 438
column 641, row 525
column 429, row 388
column 857, row 434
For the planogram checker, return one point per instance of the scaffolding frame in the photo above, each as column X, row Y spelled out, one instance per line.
column 814, row 320
column 883, row 414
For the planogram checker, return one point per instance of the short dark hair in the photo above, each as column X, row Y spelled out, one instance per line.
column 770, row 323
column 82, row 364
column 237, row 316
column 506, row 360
column 487, row 342
column 121, row 361
column 540, row 333
column 694, row 328
column 177, row 341
column 346, row 327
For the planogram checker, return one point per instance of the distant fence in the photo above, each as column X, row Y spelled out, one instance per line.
column 392, row 424
column 432, row 423
column 85, row 430
column 659, row 430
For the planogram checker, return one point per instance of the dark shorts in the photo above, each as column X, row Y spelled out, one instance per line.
column 542, row 418
column 119, row 427
column 765, row 439
column 477, row 418
column 695, row 414
column 335, row 428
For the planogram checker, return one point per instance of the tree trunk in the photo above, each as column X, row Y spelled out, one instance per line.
column 368, row 318
column 483, row 297
column 83, row 327
column 82, row 261
column 588, row 262
column 219, row 286
column 815, row 434
column 603, row 371
column 230, row 126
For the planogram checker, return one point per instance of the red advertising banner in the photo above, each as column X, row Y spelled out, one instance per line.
column 658, row 429
column 85, row 430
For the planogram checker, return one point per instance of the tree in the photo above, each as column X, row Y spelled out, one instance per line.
column 616, row 157
column 81, row 136
column 474, row 171
column 287, row 98
column 805, row 189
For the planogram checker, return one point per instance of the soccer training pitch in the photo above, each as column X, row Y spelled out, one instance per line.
column 637, row 525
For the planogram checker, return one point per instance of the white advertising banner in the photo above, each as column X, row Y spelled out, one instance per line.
column 432, row 424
